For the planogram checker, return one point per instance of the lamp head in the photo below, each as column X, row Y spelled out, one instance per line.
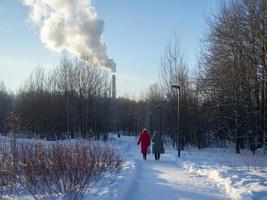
column 175, row 86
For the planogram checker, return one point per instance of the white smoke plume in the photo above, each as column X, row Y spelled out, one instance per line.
column 72, row 25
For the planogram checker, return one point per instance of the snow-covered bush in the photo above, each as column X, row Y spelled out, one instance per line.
column 7, row 169
column 57, row 170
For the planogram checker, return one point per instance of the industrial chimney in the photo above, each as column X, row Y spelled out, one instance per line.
column 113, row 86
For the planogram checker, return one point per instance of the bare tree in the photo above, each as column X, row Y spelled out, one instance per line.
column 234, row 59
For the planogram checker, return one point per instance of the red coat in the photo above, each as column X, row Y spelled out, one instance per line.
column 144, row 139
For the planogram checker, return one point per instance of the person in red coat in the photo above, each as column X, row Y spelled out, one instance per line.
column 144, row 139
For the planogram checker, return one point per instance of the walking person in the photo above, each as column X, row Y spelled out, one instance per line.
column 157, row 145
column 144, row 139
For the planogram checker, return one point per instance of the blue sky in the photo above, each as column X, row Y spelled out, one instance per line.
column 136, row 32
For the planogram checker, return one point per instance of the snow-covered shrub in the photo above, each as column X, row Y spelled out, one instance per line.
column 65, row 169
column 9, row 170
column 57, row 170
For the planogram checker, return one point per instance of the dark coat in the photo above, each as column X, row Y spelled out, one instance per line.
column 157, row 143
column 144, row 139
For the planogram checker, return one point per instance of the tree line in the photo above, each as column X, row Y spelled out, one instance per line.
column 74, row 98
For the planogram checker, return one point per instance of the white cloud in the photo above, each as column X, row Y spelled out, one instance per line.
column 71, row 25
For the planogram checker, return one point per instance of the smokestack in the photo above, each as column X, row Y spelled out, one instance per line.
column 113, row 86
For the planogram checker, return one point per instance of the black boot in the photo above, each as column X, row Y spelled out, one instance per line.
column 144, row 156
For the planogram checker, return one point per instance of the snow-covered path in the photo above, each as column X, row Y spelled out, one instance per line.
column 164, row 179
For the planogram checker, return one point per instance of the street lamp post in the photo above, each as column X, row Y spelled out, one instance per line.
column 150, row 118
column 177, row 87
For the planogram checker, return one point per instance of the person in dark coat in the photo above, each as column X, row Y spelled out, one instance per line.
column 157, row 145
column 144, row 139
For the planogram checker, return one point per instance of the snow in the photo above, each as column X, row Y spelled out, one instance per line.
column 243, row 176
column 211, row 173
column 163, row 179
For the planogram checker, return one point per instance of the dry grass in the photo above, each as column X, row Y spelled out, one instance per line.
column 56, row 170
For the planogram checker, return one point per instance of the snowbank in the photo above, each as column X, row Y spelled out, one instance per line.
column 242, row 176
